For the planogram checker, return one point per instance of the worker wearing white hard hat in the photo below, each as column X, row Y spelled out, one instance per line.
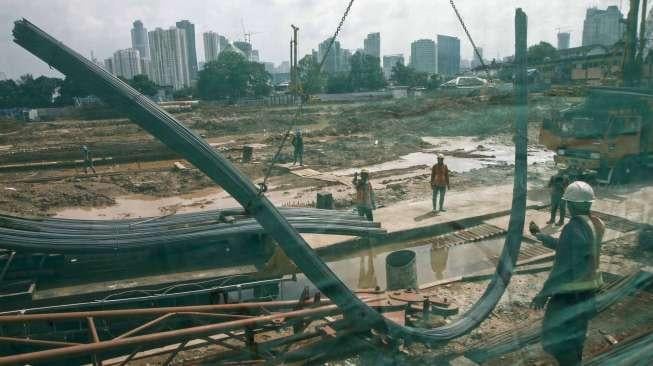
column 569, row 292
column 439, row 182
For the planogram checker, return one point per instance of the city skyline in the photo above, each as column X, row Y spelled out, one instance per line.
column 103, row 28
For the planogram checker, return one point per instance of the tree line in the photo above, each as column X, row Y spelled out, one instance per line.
column 45, row 92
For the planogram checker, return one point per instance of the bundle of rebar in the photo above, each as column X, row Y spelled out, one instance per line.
column 66, row 236
column 198, row 152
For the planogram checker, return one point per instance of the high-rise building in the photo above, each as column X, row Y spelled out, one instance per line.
column 245, row 47
column 476, row 61
column 255, row 56
column 169, row 57
column 140, row 41
column 212, row 46
column 269, row 67
column 146, row 67
column 423, row 56
column 563, row 40
column 284, row 67
column 108, row 65
column 603, row 27
column 464, row 64
column 334, row 59
column 189, row 30
column 390, row 61
column 127, row 63
column 372, row 45
column 448, row 55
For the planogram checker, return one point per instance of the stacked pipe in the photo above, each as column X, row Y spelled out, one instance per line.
column 65, row 236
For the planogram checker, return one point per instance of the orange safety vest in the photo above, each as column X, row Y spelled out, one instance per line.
column 364, row 194
column 440, row 175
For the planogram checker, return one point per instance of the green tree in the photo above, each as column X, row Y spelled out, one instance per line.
column 366, row 73
column 184, row 93
column 402, row 75
column 70, row 88
column 312, row 79
column 37, row 93
column 540, row 52
column 143, row 84
column 338, row 83
column 227, row 77
column 407, row 76
column 9, row 94
column 259, row 81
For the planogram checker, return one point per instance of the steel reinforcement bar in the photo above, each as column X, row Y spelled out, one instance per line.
column 175, row 135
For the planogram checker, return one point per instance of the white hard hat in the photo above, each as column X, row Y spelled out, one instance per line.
column 579, row 192
column 440, row 156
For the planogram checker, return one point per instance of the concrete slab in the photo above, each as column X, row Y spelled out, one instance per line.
column 459, row 205
column 409, row 215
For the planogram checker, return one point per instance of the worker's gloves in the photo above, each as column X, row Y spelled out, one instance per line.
column 539, row 302
column 533, row 228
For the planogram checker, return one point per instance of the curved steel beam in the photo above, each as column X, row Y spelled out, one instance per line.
column 178, row 137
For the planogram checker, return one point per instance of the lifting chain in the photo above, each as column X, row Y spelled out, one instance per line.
column 263, row 187
column 480, row 57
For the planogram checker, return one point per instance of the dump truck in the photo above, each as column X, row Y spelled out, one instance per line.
column 609, row 137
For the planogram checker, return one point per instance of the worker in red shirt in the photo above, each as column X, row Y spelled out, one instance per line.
column 439, row 182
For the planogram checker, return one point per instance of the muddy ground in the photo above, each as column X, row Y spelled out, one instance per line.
column 336, row 136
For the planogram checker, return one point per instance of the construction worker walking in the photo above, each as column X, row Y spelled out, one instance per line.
column 569, row 292
column 439, row 182
column 87, row 160
column 558, row 183
column 298, row 144
column 364, row 195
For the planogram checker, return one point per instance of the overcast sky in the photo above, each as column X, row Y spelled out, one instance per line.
column 104, row 26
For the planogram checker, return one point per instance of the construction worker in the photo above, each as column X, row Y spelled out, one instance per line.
column 558, row 183
column 364, row 194
column 86, row 157
column 298, row 144
column 568, row 293
column 439, row 182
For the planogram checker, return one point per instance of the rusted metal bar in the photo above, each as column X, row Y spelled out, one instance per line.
column 92, row 329
column 37, row 342
column 217, row 315
column 146, row 311
column 174, row 335
column 145, row 326
column 94, row 337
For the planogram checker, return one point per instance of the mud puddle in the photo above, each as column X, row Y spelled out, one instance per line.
column 462, row 154
column 366, row 269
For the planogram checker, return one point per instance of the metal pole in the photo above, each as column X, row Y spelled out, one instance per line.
column 292, row 68
column 173, row 335
column 146, row 311
column 642, row 37
column 295, row 30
